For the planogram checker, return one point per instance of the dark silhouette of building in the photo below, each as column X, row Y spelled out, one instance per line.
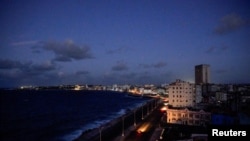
column 202, row 80
column 202, row 74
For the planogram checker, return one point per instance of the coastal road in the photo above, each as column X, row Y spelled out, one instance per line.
column 145, row 130
column 134, row 129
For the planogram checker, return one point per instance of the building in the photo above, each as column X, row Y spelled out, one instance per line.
column 202, row 80
column 221, row 96
column 198, row 94
column 187, row 116
column 202, row 74
column 181, row 94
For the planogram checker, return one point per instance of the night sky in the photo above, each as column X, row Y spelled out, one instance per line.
column 105, row 42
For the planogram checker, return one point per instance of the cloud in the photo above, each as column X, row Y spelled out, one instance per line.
column 46, row 66
column 24, row 43
column 19, row 73
column 26, row 68
column 229, row 23
column 159, row 65
column 67, row 51
column 154, row 65
column 10, row 64
column 120, row 66
column 216, row 49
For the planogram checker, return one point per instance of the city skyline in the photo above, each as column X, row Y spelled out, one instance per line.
column 122, row 42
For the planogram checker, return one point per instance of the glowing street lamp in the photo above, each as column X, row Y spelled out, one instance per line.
column 134, row 117
column 122, row 125
column 142, row 112
column 100, row 131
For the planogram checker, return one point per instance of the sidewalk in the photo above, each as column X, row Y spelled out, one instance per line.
column 157, row 131
column 126, row 133
column 156, row 135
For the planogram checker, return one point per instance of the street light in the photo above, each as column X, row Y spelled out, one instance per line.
column 134, row 117
column 122, row 125
column 100, row 131
column 142, row 112
column 152, row 106
column 148, row 107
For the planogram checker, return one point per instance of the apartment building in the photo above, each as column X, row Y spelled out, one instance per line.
column 181, row 94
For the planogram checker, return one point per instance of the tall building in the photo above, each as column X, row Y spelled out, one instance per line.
column 202, row 74
column 202, row 81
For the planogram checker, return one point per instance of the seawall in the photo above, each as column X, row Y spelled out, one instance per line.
column 117, row 126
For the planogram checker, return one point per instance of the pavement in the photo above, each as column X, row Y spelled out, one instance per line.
column 126, row 133
column 157, row 134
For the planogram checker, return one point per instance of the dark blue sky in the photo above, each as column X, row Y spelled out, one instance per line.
column 53, row 42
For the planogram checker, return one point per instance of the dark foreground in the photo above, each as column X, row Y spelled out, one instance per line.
column 127, row 125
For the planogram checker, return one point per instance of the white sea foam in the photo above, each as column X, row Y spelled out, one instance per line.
column 75, row 134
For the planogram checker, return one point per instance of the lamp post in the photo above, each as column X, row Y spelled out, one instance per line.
column 122, row 125
column 142, row 112
column 100, row 131
column 134, row 117
column 148, row 107
column 155, row 103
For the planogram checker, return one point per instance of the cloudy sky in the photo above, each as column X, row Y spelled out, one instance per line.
column 54, row 42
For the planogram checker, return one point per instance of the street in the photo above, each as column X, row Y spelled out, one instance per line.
column 144, row 130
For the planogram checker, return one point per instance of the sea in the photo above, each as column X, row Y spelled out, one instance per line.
column 59, row 115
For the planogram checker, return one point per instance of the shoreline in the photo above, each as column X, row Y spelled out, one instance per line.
column 94, row 133
column 113, row 128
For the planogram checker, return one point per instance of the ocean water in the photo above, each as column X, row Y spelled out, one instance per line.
column 59, row 115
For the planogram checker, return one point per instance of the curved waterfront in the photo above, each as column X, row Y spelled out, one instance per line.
column 60, row 114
